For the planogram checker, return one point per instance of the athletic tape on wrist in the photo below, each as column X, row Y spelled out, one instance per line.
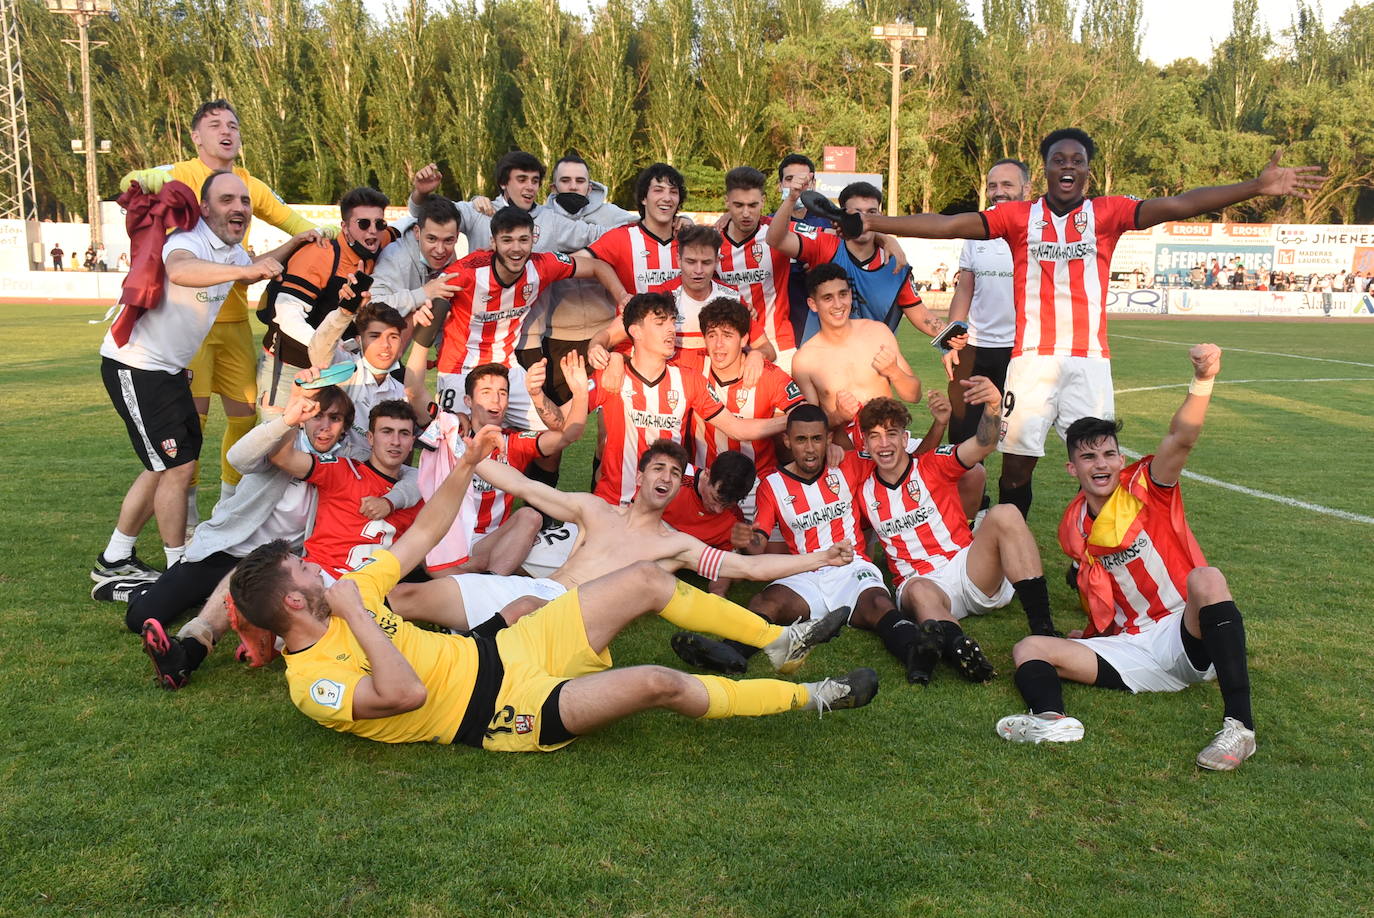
column 709, row 565
column 1201, row 386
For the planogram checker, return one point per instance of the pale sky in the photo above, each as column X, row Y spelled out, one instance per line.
column 1173, row 28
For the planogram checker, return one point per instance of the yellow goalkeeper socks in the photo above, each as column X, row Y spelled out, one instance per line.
column 693, row 610
column 234, row 429
column 751, row 697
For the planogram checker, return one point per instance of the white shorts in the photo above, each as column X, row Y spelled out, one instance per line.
column 964, row 596
column 520, row 411
column 1153, row 660
column 784, row 359
column 832, row 587
column 551, row 550
column 486, row 594
column 1044, row 392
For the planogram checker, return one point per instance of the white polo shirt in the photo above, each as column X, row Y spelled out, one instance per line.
column 992, row 315
column 167, row 338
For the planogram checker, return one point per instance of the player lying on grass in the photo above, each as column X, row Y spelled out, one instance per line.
column 941, row 570
column 1159, row 618
column 355, row 666
column 612, row 537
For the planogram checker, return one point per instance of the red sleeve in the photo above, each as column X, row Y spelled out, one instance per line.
column 942, row 462
column 1117, row 214
column 324, row 470
column 765, row 511
column 553, row 266
column 478, row 259
column 613, row 249
column 693, row 361
column 522, row 448
column 1007, row 220
column 781, row 391
column 907, row 295
column 597, row 396
column 855, row 467
column 816, row 247
column 700, row 398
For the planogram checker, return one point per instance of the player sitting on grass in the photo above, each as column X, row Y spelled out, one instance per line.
column 355, row 666
column 941, row 570
column 1159, row 619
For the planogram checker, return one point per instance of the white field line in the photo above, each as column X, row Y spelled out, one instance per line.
column 1241, row 350
column 1265, row 495
column 1237, row 382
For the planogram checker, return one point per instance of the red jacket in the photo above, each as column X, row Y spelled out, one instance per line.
column 148, row 218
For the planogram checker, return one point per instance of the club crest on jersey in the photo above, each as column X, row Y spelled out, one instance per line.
column 524, row 723
column 832, row 481
column 1080, row 221
column 526, row 292
column 566, row 259
column 913, row 489
column 756, row 250
column 169, row 446
column 536, row 232
column 672, row 398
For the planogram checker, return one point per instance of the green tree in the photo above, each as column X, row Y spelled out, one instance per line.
column 608, row 85
column 671, row 95
column 546, row 40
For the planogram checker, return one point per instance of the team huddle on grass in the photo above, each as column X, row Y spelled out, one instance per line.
column 407, row 549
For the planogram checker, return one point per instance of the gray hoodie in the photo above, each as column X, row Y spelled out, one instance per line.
column 581, row 307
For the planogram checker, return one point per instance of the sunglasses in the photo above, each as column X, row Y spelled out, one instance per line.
column 365, row 223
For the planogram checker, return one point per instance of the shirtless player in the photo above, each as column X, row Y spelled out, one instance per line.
column 611, row 538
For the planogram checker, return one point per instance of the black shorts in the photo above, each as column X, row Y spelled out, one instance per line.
column 158, row 412
column 987, row 361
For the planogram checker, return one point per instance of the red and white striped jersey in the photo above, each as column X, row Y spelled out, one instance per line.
column 775, row 392
column 486, row 507
column 485, row 318
column 1061, row 267
column 760, row 273
column 643, row 262
column 637, row 414
column 1149, row 576
column 813, row 515
column 919, row 519
column 689, row 334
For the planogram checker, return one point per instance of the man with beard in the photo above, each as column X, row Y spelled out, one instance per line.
column 145, row 373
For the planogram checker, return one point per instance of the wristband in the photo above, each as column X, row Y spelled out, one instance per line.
column 1201, row 386
column 709, row 565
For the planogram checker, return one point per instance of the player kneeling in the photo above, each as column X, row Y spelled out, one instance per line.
column 355, row 666
column 1160, row 619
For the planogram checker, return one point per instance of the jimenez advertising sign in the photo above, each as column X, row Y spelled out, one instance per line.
column 1309, row 249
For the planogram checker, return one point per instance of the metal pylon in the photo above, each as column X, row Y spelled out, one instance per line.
column 17, row 201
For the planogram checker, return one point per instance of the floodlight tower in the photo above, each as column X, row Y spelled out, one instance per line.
column 17, row 199
column 895, row 35
column 81, row 13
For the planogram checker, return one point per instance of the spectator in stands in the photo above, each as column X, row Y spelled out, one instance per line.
column 122, row 264
column 56, row 254
column 100, row 263
column 1197, row 276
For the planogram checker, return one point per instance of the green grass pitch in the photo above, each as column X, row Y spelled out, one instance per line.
column 117, row 798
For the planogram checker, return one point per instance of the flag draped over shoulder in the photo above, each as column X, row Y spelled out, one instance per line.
column 148, row 218
column 1115, row 529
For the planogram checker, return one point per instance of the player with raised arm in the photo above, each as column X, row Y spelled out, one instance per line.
column 144, row 360
column 941, row 571
column 1159, row 617
column 348, row 529
column 883, row 288
column 849, row 361
column 486, row 316
column 314, row 282
column 355, row 666
column 227, row 362
column 654, row 398
column 1061, row 246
